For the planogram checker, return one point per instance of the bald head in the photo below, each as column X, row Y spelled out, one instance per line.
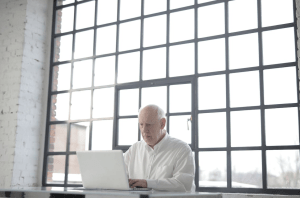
column 160, row 113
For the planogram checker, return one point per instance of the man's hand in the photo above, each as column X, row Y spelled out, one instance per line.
column 137, row 182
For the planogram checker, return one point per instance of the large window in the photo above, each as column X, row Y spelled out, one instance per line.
column 224, row 71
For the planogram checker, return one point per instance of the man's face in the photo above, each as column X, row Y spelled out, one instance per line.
column 150, row 126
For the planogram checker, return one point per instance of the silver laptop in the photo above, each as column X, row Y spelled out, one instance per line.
column 104, row 170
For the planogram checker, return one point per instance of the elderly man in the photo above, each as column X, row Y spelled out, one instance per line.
column 159, row 161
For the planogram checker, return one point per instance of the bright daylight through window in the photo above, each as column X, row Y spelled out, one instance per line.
column 224, row 71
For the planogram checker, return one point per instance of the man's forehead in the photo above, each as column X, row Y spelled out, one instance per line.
column 148, row 114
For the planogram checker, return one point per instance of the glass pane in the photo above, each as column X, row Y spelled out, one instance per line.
column 245, row 128
column 210, row 126
column 63, row 48
column 107, row 11
column 103, row 103
column 279, row 46
column 211, row 56
column 211, row 20
column 179, row 3
column 105, row 71
column 81, row 105
column 128, row 131
column 242, row 15
column 56, row 169
column 271, row 8
column 283, row 90
column 63, row 2
column 85, row 15
column 106, row 39
column 180, row 98
column 74, row 175
column 82, row 74
column 60, row 107
column 129, row 102
column 283, row 169
column 212, row 92
column 154, row 63
column 57, row 138
column 129, row 36
column 204, row 1
column 64, row 20
column 246, row 169
column 84, row 44
column 61, row 77
column 102, row 135
column 181, row 127
column 243, row 51
column 282, row 126
column 129, row 67
column 183, row 20
column 212, row 169
column 160, row 100
column 153, row 6
column 79, row 136
column 155, row 29
column 244, row 89
column 130, row 9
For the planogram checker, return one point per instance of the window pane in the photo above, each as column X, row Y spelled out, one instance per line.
column 155, row 95
column 60, row 107
column 61, row 77
column 283, row 169
column 244, row 89
column 128, row 131
column 103, row 103
column 129, row 67
column 106, row 40
column 242, row 15
column 181, row 127
column 129, row 37
column 212, row 92
column 81, row 104
column 154, row 63
column 85, row 15
column 63, row 2
column 283, row 90
column 129, row 102
column 282, row 126
column 182, row 60
column 74, row 175
column 245, row 128
column 155, row 30
column 279, row 46
column 64, row 20
column 105, row 71
column 79, row 136
column 102, row 135
column 243, row 51
column 183, row 20
column 211, row 20
column 271, row 8
column 211, row 56
column 84, row 44
column 56, row 169
column 82, row 74
column 179, row 3
column 204, row 1
column 130, row 9
column 246, row 169
column 180, row 98
column 153, row 6
column 212, row 169
column 63, row 48
column 210, row 126
column 57, row 138
column 107, row 11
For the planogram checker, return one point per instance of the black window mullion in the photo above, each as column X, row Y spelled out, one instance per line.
column 168, row 109
column 168, row 41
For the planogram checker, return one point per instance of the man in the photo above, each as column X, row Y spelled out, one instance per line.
column 159, row 161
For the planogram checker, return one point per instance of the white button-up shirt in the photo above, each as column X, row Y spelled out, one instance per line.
column 169, row 166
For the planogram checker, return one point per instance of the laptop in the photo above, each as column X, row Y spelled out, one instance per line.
column 104, row 170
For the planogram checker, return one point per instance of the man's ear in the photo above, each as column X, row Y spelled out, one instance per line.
column 163, row 123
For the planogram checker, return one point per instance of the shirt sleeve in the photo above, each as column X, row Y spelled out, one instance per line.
column 183, row 174
column 127, row 156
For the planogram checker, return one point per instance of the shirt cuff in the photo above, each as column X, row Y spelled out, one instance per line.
column 151, row 183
